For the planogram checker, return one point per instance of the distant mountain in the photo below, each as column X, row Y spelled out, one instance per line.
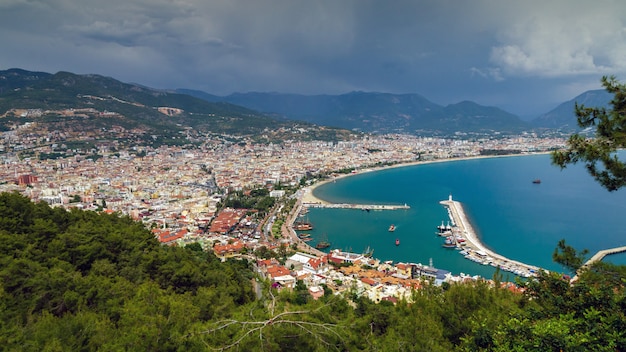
column 379, row 112
column 104, row 102
column 564, row 117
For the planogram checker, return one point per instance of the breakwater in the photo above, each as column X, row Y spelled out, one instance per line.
column 365, row 207
column 598, row 257
column 464, row 236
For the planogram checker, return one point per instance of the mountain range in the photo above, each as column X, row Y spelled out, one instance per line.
column 94, row 101
column 257, row 112
column 406, row 113
column 377, row 112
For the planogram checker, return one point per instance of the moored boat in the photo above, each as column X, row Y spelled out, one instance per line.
column 322, row 245
column 302, row 226
column 449, row 242
column 369, row 252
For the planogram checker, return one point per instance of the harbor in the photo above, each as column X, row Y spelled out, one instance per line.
column 464, row 238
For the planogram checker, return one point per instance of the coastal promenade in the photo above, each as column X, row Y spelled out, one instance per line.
column 474, row 249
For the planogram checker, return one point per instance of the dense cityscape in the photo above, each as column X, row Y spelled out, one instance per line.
column 180, row 193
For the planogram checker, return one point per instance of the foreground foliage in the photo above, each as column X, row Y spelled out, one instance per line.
column 599, row 154
column 86, row 281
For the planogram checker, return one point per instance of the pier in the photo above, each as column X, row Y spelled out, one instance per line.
column 597, row 258
column 474, row 249
column 603, row 253
column 356, row 206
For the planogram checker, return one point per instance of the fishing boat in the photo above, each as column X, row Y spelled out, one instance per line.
column 322, row 245
column 444, row 230
column 302, row 226
column 392, row 228
column 449, row 242
column 397, row 241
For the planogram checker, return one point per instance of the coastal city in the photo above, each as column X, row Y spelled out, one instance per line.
column 179, row 194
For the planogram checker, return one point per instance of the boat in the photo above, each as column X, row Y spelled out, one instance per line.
column 397, row 241
column 306, row 239
column 444, row 230
column 392, row 228
column 369, row 252
column 536, row 181
column 322, row 245
column 449, row 242
column 302, row 226
column 304, row 235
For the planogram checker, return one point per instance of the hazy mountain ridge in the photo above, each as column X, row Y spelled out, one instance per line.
column 378, row 112
column 563, row 115
column 408, row 113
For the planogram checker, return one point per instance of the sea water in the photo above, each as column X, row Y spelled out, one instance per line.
column 512, row 215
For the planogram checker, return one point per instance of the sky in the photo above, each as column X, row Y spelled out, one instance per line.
column 523, row 56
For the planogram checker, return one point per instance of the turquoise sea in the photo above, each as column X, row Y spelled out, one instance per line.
column 513, row 216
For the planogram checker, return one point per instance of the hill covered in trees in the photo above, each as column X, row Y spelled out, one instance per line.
column 81, row 280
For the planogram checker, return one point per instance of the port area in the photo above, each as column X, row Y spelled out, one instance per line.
column 470, row 246
column 366, row 207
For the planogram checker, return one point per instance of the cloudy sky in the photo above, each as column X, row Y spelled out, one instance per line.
column 523, row 56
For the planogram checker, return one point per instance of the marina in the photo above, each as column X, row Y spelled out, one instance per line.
column 464, row 237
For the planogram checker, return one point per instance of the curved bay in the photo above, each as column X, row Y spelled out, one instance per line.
column 513, row 216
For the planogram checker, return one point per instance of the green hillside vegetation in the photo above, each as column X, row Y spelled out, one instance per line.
column 136, row 108
column 85, row 281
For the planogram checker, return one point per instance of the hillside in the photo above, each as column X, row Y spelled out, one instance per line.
column 564, row 117
column 96, row 103
column 85, row 281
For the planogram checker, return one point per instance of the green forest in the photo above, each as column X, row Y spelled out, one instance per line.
column 83, row 281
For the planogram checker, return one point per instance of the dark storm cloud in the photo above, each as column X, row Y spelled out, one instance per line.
column 447, row 50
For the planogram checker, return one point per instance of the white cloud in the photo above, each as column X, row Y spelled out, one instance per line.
column 565, row 40
column 489, row 72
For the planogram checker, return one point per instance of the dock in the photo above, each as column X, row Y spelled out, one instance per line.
column 474, row 249
column 357, row 206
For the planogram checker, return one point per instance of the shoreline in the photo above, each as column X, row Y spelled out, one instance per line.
column 519, row 268
column 309, row 198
